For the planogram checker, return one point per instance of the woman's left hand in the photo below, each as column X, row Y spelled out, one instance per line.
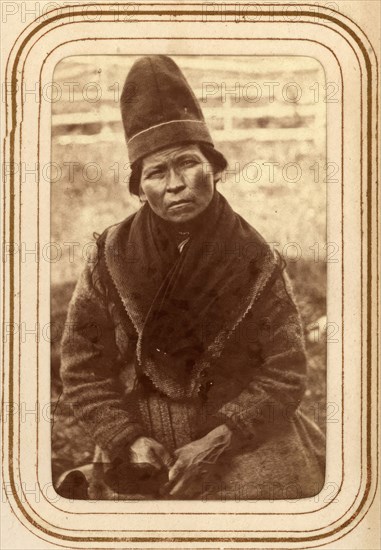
column 194, row 460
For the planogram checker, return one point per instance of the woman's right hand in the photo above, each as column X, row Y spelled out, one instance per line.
column 149, row 451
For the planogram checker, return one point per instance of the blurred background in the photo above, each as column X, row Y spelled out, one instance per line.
column 267, row 115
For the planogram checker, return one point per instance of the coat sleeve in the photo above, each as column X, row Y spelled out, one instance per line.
column 276, row 386
column 89, row 369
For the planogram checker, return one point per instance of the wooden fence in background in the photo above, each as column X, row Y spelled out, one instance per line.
column 271, row 99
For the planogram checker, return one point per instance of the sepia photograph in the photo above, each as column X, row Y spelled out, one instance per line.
column 190, row 275
column 188, row 203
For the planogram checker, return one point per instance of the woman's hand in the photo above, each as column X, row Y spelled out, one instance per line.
column 194, row 460
column 149, row 451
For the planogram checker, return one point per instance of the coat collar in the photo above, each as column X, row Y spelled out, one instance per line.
column 119, row 254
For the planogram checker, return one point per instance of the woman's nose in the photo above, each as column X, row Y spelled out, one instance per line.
column 174, row 181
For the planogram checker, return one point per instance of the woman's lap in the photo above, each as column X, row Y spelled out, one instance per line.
column 288, row 465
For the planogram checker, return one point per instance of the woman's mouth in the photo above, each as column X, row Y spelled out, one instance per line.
column 180, row 203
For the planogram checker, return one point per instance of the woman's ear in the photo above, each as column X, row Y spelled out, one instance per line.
column 142, row 195
column 217, row 177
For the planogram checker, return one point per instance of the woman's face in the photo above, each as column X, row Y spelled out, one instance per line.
column 177, row 182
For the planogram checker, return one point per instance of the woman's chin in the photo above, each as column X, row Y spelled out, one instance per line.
column 181, row 216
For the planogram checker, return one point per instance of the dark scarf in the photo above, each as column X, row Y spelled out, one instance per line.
column 185, row 305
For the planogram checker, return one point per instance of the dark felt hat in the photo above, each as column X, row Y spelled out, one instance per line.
column 159, row 108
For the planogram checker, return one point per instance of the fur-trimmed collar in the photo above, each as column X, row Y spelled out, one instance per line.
column 218, row 277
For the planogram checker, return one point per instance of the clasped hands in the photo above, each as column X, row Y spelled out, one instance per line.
column 187, row 464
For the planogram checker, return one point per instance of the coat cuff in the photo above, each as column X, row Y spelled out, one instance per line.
column 213, row 421
column 118, row 447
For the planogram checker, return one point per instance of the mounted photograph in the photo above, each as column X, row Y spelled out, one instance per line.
column 189, row 302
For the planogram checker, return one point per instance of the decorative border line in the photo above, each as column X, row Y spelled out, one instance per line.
column 369, row 126
column 205, row 513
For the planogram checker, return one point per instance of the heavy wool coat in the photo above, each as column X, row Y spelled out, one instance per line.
column 250, row 375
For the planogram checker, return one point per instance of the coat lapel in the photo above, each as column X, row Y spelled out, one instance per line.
column 119, row 254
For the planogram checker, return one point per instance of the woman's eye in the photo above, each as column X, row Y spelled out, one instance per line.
column 187, row 163
column 155, row 174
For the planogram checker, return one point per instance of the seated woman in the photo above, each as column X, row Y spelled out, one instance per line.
column 190, row 384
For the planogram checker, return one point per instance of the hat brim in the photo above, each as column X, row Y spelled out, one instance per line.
column 168, row 133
